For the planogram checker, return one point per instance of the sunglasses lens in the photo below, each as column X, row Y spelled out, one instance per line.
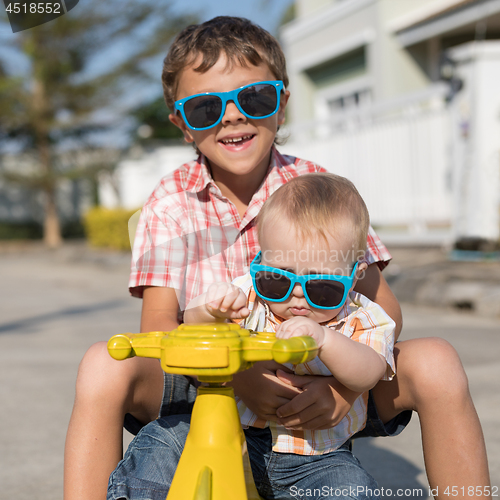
column 259, row 100
column 325, row 293
column 273, row 286
column 203, row 111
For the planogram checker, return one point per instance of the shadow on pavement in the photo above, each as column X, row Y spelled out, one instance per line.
column 398, row 477
column 25, row 323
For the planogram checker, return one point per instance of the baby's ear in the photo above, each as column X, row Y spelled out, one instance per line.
column 179, row 123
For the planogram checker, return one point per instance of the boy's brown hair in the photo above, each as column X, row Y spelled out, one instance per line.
column 239, row 39
column 318, row 204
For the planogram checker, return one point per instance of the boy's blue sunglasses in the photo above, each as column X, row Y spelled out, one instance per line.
column 257, row 100
column 322, row 291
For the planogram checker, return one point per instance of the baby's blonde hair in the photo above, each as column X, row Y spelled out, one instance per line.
column 318, row 205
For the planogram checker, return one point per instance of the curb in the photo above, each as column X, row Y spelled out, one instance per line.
column 433, row 277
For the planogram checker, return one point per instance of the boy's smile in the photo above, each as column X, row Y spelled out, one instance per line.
column 238, row 148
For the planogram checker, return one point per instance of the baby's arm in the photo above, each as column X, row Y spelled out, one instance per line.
column 357, row 366
column 220, row 301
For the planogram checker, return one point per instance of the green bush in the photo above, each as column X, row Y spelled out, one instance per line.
column 109, row 228
column 33, row 230
column 29, row 230
column 72, row 229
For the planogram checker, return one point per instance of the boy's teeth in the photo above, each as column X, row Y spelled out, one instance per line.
column 236, row 139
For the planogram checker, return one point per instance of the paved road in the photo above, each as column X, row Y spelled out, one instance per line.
column 54, row 306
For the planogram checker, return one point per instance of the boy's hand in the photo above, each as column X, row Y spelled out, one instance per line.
column 261, row 391
column 322, row 403
column 224, row 300
column 298, row 326
column 301, row 401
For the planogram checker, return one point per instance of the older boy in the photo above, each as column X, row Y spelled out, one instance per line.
column 198, row 227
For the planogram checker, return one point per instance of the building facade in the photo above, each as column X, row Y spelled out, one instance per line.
column 400, row 96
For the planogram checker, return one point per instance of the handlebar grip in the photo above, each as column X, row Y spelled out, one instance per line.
column 128, row 345
column 295, row 350
column 120, row 347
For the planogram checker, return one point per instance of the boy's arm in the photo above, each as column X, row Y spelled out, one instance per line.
column 374, row 286
column 159, row 309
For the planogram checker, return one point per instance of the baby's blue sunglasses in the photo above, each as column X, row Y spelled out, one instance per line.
column 322, row 291
column 257, row 100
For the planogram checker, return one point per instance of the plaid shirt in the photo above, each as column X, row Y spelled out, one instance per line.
column 359, row 319
column 189, row 235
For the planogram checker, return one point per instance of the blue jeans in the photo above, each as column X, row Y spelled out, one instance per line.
column 147, row 470
column 336, row 475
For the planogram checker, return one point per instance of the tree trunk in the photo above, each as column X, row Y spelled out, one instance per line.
column 42, row 115
column 51, row 226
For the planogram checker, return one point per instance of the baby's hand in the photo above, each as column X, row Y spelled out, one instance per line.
column 298, row 326
column 224, row 300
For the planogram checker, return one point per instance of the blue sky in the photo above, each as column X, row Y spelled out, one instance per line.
column 266, row 13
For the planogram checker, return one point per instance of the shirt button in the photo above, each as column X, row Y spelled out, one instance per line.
column 227, row 218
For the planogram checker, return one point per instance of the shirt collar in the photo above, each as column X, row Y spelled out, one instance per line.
column 280, row 171
column 199, row 176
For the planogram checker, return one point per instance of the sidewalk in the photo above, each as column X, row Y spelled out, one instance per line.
column 428, row 276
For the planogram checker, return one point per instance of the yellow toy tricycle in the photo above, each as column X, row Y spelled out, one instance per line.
column 214, row 464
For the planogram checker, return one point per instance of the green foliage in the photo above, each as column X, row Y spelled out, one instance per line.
column 20, row 231
column 73, row 229
column 155, row 115
column 108, row 228
column 33, row 230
